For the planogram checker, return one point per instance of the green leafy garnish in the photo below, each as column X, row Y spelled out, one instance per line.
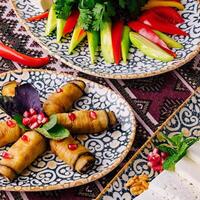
column 18, row 119
column 51, row 123
column 63, row 8
column 176, row 147
column 58, row 132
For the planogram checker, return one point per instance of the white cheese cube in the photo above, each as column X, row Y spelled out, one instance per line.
column 150, row 195
column 189, row 170
column 194, row 152
column 173, row 186
column 43, row 5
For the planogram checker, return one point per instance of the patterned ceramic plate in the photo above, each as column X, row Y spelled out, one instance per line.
column 186, row 119
column 138, row 66
column 109, row 147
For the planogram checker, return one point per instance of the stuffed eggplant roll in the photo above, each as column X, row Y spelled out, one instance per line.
column 87, row 121
column 73, row 153
column 64, row 98
column 9, row 132
column 21, row 154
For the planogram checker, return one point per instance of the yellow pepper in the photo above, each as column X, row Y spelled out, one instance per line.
column 156, row 3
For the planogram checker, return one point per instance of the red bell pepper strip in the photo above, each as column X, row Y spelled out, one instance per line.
column 146, row 31
column 38, row 17
column 71, row 22
column 156, row 22
column 11, row 54
column 117, row 31
column 168, row 14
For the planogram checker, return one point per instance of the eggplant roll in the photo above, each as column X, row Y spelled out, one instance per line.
column 87, row 121
column 78, row 156
column 9, row 134
column 22, row 153
column 64, row 98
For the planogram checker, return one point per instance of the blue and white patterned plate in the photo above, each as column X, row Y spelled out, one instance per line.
column 186, row 120
column 138, row 66
column 110, row 147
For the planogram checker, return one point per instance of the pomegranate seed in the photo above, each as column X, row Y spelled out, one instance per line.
column 11, row 123
column 155, row 151
column 40, row 117
column 33, row 119
column 44, row 120
column 32, row 111
column 149, row 155
column 25, row 138
column 164, row 155
column 34, row 125
column 72, row 146
column 93, row 115
column 26, row 114
column 157, row 168
column 155, row 158
column 6, row 155
column 72, row 116
column 59, row 90
column 26, row 121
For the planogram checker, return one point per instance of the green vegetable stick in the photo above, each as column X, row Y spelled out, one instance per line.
column 149, row 48
column 125, row 43
column 51, row 21
column 168, row 40
column 106, row 42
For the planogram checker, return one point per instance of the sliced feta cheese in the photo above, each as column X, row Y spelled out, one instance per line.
column 194, row 152
column 173, row 186
column 43, row 5
column 150, row 195
column 189, row 170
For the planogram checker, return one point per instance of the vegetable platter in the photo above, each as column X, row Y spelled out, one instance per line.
column 116, row 39
column 167, row 165
column 57, row 132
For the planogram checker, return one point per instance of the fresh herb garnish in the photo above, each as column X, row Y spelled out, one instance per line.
column 176, row 147
column 58, row 132
column 51, row 123
column 18, row 118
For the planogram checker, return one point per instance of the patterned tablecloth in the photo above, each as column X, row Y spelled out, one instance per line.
column 152, row 99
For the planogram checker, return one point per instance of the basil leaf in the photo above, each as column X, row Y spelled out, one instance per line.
column 58, row 132
column 51, row 123
column 166, row 148
column 18, row 119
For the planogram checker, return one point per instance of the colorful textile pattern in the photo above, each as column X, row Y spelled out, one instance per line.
column 152, row 99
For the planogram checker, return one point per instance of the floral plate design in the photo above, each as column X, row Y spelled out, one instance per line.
column 186, row 120
column 138, row 66
column 109, row 148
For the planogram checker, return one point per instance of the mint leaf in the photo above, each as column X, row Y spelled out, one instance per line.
column 51, row 123
column 58, row 132
column 18, row 119
column 169, row 163
column 166, row 148
column 176, row 139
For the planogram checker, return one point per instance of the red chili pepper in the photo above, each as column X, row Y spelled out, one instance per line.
column 38, row 17
column 146, row 31
column 117, row 31
column 168, row 14
column 71, row 22
column 11, row 54
column 156, row 22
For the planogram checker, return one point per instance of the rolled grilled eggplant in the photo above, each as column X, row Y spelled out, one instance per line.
column 73, row 153
column 21, row 154
column 9, row 132
column 64, row 98
column 87, row 121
